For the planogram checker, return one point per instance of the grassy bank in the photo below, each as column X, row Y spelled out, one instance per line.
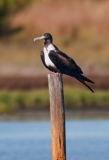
column 13, row 101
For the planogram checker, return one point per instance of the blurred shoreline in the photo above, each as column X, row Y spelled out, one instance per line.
column 44, row 114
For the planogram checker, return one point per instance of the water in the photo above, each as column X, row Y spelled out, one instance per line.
column 86, row 140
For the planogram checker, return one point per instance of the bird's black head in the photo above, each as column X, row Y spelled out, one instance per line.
column 47, row 36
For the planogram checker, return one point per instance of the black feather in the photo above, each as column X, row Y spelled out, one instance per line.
column 67, row 65
column 86, row 79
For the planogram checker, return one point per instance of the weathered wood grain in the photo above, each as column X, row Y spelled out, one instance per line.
column 57, row 114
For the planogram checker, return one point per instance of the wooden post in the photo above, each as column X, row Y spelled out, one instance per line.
column 57, row 114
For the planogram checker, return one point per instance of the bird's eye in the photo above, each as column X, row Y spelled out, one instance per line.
column 47, row 36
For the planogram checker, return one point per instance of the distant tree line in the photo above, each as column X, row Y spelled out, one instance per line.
column 7, row 8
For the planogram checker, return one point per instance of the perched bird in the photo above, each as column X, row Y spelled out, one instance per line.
column 58, row 62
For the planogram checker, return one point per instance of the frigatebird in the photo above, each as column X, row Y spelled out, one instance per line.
column 58, row 62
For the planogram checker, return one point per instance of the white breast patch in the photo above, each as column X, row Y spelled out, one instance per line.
column 46, row 52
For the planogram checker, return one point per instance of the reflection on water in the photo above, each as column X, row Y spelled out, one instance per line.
column 86, row 139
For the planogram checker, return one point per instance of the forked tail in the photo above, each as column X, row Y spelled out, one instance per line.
column 86, row 79
column 85, row 83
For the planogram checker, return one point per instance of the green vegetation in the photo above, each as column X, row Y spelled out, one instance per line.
column 16, row 100
column 12, row 101
column 80, row 98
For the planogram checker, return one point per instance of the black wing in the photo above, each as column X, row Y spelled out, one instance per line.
column 67, row 65
column 64, row 63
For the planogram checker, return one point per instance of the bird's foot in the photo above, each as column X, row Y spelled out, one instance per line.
column 55, row 73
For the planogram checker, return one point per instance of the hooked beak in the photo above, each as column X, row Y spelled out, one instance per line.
column 39, row 38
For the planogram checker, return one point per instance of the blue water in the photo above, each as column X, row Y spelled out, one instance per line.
column 86, row 140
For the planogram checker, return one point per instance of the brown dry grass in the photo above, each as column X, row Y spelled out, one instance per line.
column 80, row 28
column 64, row 16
